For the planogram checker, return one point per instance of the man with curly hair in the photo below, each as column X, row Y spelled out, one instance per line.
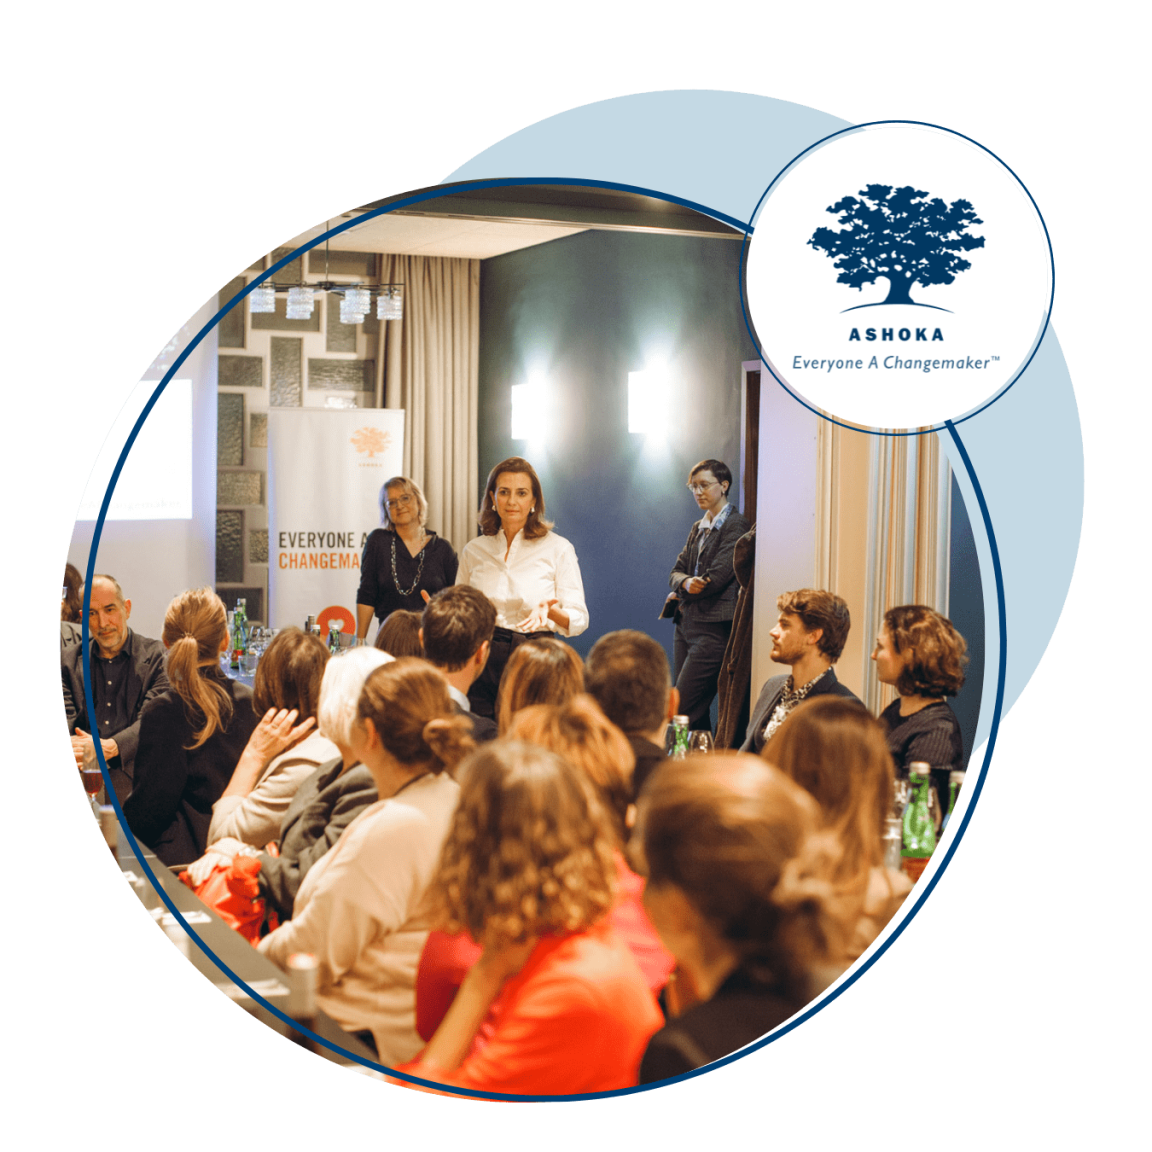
column 810, row 634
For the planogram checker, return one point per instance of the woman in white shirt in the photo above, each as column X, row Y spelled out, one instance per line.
column 530, row 573
column 359, row 909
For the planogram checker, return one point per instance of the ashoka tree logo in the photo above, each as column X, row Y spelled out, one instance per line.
column 900, row 234
column 370, row 440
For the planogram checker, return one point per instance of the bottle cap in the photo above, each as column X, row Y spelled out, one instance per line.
column 956, row 776
column 919, row 768
column 680, row 721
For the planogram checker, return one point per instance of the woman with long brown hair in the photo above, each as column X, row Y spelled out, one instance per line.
column 740, row 890
column 530, row 573
column 835, row 750
column 542, row 670
column 358, row 910
column 191, row 736
column 528, row 872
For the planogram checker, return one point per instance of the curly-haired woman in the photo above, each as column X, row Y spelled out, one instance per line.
column 529, row 870
column 920, row 653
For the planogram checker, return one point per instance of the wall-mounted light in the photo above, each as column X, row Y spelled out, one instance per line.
column 648, row 402
column 529, row 411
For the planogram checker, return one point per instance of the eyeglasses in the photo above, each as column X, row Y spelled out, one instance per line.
column 696, row 489
column 399, row 502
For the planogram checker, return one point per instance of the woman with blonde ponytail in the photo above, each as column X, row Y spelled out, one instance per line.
column 740, row 888
column 359, row 909
column 191, row 736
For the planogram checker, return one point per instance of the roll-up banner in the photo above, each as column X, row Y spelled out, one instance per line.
column 325, row 469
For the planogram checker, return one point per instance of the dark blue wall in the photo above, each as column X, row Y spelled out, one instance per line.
column 581, row 313
column 966, row 611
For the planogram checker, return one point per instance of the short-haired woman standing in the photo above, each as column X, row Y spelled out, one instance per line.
column 705, row 585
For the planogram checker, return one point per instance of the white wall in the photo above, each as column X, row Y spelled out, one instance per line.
column 155, row 559
column 785, row 514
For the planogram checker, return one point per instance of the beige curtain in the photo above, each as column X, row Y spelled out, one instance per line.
column 428, row 364
column 910, row 487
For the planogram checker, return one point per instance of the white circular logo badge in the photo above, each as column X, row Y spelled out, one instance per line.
column 899, row 275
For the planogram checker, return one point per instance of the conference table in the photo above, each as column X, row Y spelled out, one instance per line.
column 249, row 966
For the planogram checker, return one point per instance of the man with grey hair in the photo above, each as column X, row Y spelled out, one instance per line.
column 126, row 670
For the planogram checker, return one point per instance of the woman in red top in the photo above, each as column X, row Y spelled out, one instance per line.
column 580, row 732
column 529, row 870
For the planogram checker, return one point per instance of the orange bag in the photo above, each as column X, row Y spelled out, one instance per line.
column 233, row 893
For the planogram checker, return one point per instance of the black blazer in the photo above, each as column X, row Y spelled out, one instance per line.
column 718, row 599
column 770, row 695
column 171, row 803
column 146, row 680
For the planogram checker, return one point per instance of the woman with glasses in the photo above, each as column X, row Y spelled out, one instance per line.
column 704, row 588
column 404, row 563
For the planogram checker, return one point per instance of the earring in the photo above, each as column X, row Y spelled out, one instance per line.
column 533, row 510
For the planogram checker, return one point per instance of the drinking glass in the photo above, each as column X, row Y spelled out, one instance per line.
column 700, row 742
column 900, row 797
column 92, row 778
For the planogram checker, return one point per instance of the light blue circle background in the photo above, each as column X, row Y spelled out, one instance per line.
column 721, row 150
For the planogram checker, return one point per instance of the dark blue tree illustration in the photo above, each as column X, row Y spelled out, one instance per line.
column 901, row 234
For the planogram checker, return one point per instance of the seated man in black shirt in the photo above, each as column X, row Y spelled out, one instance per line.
column 809, row 636
column 627, row 674
column 127, row 671
column 456, row 631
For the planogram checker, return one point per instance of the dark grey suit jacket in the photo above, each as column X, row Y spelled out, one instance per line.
column 146, row 679
column 770, row 695
column 718, row 599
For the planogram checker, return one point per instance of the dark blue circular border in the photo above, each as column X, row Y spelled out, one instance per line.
column 783, row 1030
column 748, row 230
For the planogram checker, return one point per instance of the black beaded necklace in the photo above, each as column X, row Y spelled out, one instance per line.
column 419, row 568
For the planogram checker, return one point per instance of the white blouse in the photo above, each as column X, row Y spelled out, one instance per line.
column 359, row 913
column 535, row 571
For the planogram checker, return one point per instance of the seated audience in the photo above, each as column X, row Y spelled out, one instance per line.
column 920, row 653
column 358, row 910
column 71, row 603
column 286, row 694
column 191, row 735
column 627, row 674
column 73, row 598
column 542, row 670
column 456, row 632
column 809, row 636
column 580, row 733
column 529, row 871
column 739, row 890
column 127, row 672
column 399, row 634
column 836, row 750
column 332, row 797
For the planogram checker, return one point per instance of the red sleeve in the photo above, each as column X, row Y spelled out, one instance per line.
column 443, row 965
column 549, row 1040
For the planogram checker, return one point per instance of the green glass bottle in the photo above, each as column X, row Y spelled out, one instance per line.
column 679, row 747
column 919, row 822
column 239, row 632
column 955, row 783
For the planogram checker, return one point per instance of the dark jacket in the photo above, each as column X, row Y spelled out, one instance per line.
column 170, row 807
column 735, row 684
column 324, row 805
column 146, row 680
column 483, row 729
column 717, row 601
column 772, row 691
